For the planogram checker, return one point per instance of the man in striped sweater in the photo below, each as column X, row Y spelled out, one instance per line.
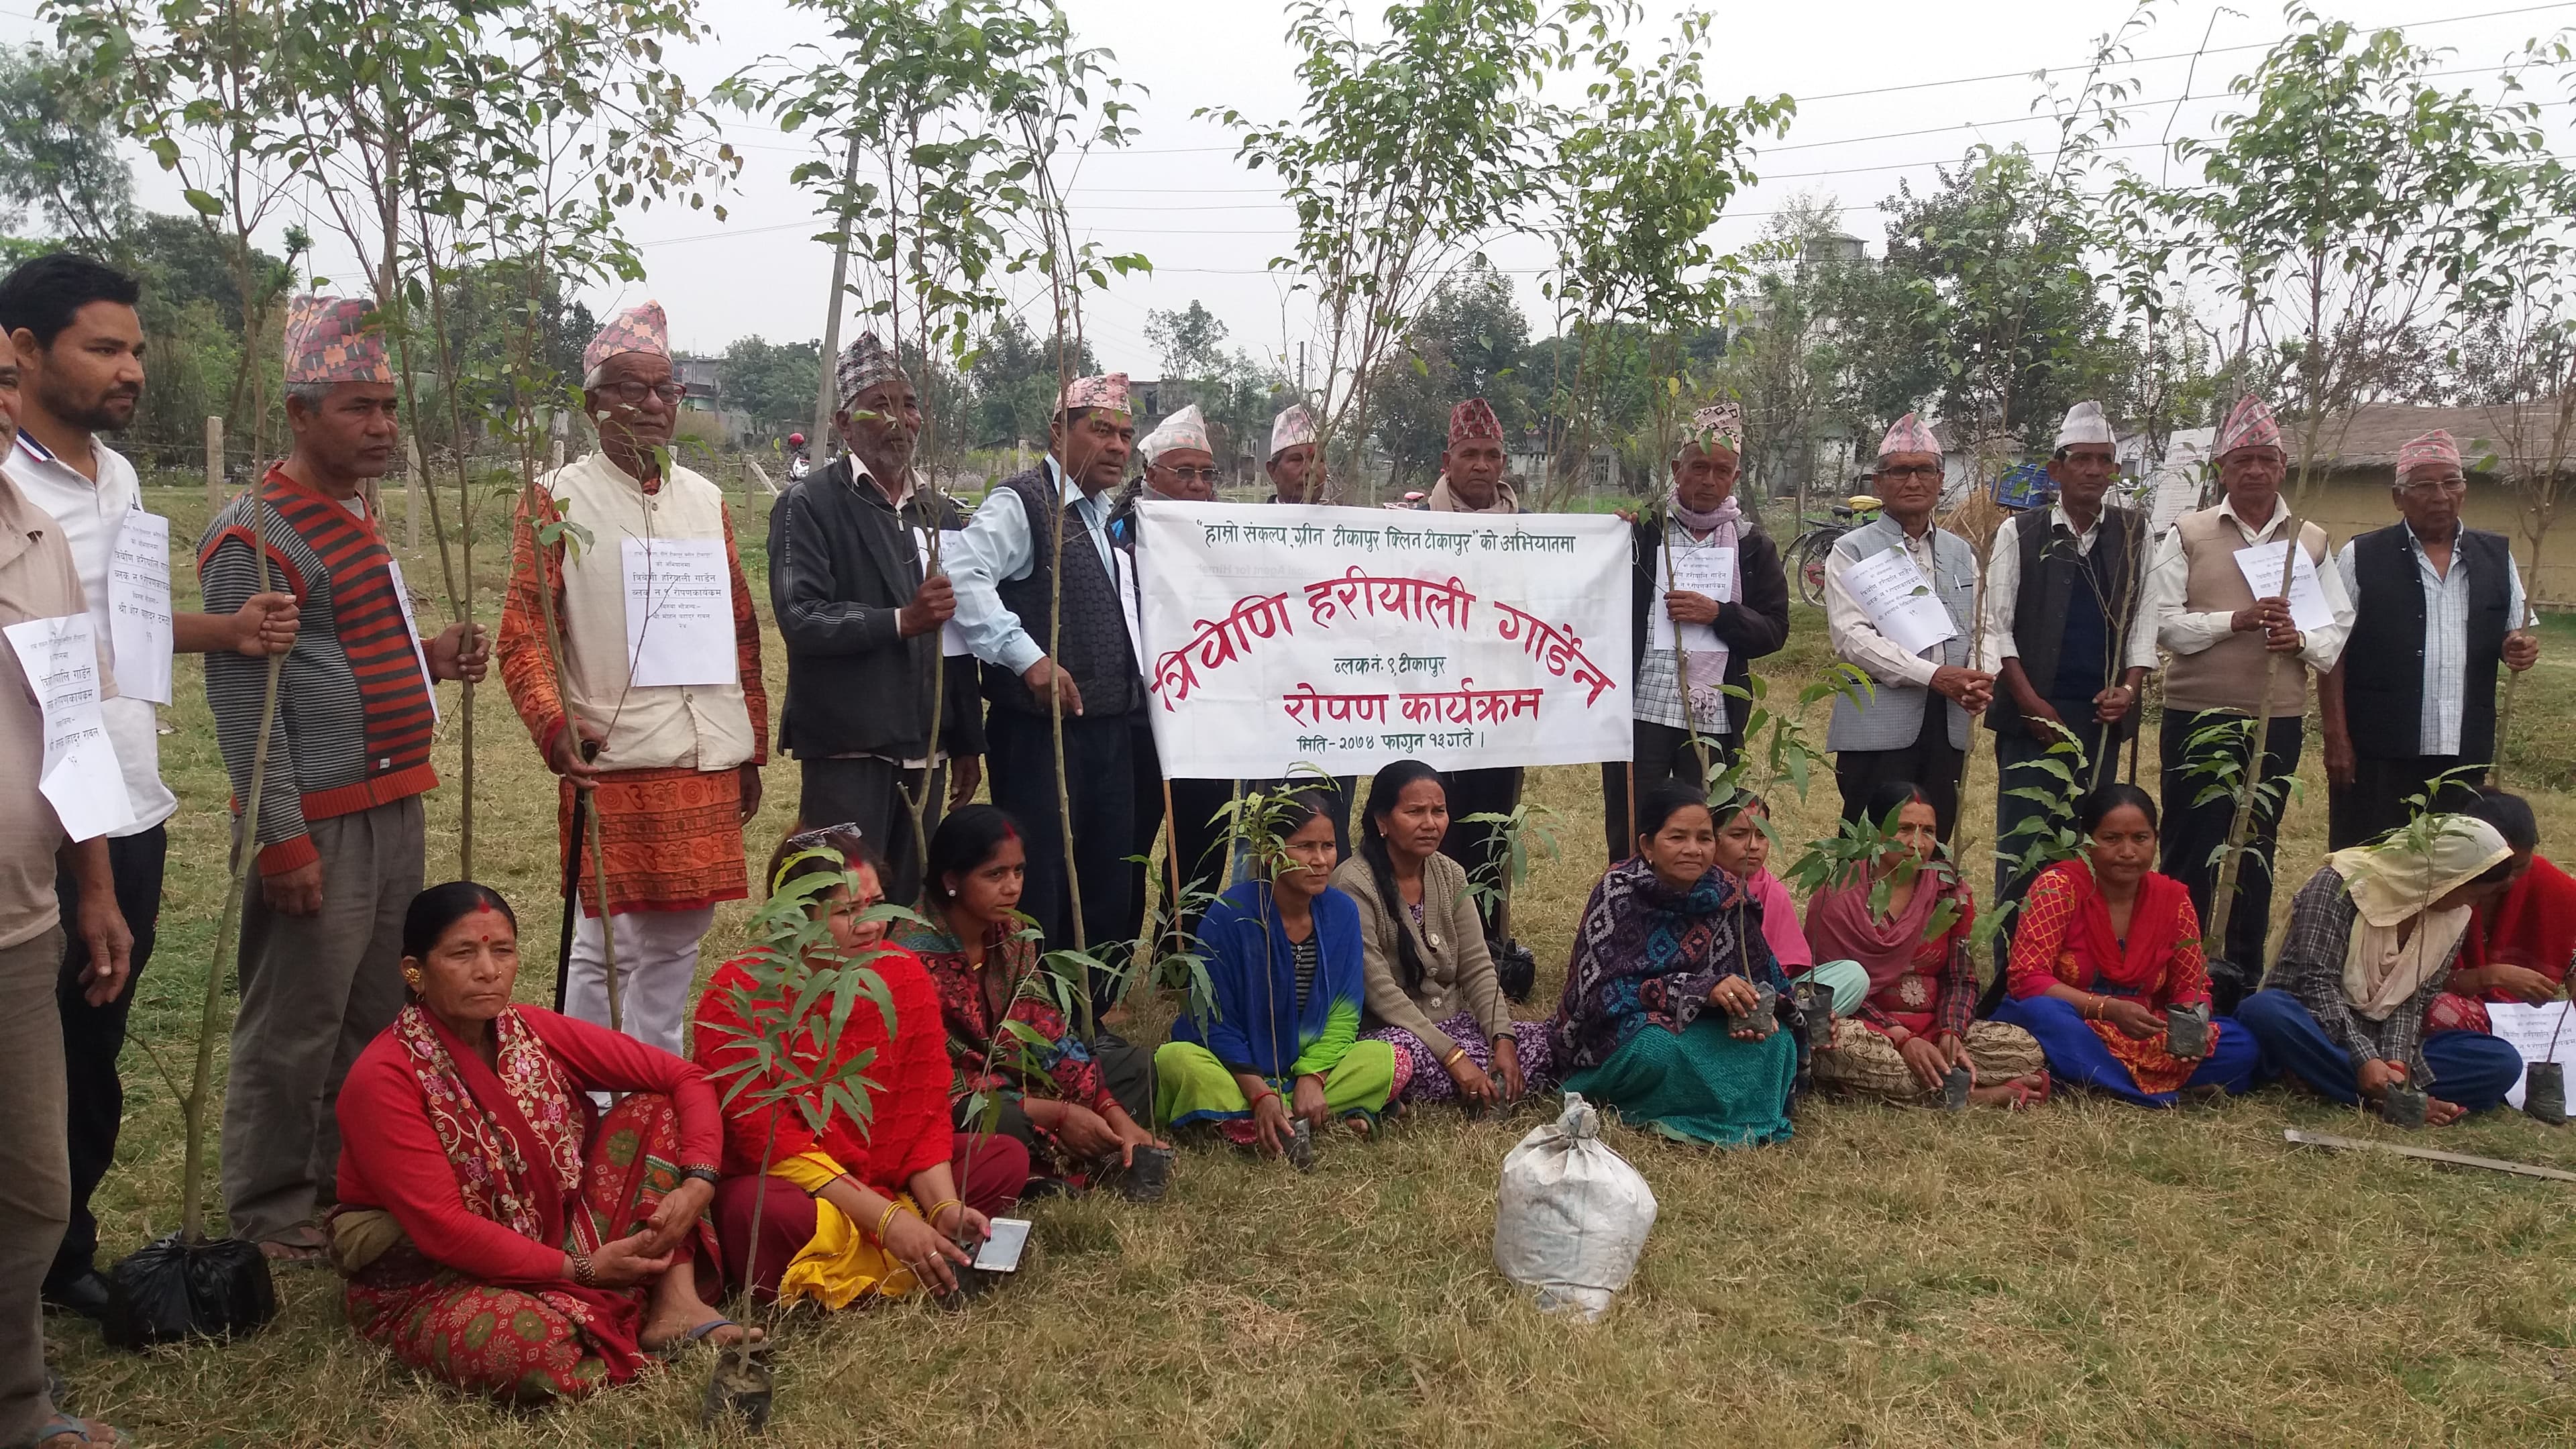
column 339, row 834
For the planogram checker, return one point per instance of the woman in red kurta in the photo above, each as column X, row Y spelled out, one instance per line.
column 855, row 1210
column 2103, row 946
column 494, row 1230
column 2518, row 950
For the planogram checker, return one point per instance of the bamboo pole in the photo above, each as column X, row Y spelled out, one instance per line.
column 215, row 466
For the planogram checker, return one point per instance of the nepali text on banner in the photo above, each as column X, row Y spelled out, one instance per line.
column 1349, row 638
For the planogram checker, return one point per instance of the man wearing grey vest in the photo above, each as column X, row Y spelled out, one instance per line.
column 2066, row 635
column 2228, row 645
column 2435, row 608
column 1913, row 725
column 1007, row 606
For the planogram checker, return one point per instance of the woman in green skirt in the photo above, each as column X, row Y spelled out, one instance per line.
column 1660, row 1018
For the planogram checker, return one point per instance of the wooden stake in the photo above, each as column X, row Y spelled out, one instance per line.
column 2427, row 1154
column 214, row 463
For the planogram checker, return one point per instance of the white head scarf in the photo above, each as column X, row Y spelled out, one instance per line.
column 2397, row 882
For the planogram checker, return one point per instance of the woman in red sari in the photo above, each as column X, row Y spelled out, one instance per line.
column 2519, row 948
column 858, row 1210
column 494, row 1230
column 2103, row 946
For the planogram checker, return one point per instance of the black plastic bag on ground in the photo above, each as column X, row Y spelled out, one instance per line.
column 2230, row 984
column 171, row 1290
column 1517, row 969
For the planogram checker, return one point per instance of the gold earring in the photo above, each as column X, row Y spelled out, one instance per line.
column 412, row 979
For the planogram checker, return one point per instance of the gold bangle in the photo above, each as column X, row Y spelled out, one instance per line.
column 892, row 1208
column 943, row 1205
column 1450, row 1061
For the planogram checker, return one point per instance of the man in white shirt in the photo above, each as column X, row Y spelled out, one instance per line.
column 2066, row 634
column 79, row 350
column 2411, row 703
column 2233, row 649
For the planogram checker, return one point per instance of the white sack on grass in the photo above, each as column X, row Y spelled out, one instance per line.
column 1573, row 1216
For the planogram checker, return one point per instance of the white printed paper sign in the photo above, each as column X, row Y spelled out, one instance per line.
column 138, row 606
column 1890, row 587
column 80, row 774
column 1705, row 571
column 411, row 626
column 2261, row 566
column 679, row 612
column 1350, row 638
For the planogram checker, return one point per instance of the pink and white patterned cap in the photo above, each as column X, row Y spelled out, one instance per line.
column 1720, row 424
column 1108, row 392
column 328, row 340
column 2436, row 447
column 1184, row 429
column 1294, row 428
column 2250, row 424
column 640, row 328
column 1909, row 436
column 1473, row 418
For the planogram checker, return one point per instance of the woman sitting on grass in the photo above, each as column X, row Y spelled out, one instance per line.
column 1918, row 1022
column 2372, row 937
column 1075, row 1108
column 1667, row 953
column 495, row 1230
column 878, row 1208
column 2103, row 945
column 1744, row 852
column 1283, row 1039
column 2517, row 948
column 1432, row 992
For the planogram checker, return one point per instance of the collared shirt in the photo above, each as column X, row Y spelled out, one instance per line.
column 92, row 515
column 2003, row 599
column 37, row 581
column 996, row 548
column 1856, row 640
column 2446, row 635
column 2183, row 632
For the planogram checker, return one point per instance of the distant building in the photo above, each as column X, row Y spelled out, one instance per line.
column 703, row 414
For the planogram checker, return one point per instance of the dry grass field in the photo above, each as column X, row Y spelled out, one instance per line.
column 2083, row 1274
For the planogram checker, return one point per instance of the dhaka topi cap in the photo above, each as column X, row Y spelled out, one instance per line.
column 640, row 328
column 328, row 339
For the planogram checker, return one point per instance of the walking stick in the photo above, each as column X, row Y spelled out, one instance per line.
column 571, row 896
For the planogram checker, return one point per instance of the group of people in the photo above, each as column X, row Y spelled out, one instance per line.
column 530, row 1201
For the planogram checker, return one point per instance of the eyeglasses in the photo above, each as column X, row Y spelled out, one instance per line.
column 2430, row 487
column 633, row 393
column 1916, row 471
column 1192, row 475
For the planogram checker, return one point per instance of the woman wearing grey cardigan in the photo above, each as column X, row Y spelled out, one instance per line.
column 1432, row 993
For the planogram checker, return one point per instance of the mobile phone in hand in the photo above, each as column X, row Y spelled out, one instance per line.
column 1000, row 1252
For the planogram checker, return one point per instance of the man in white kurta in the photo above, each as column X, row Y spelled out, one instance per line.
column 657, row 715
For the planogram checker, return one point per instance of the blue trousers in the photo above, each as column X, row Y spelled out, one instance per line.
column 2077, row 1054
column 2469, row 1068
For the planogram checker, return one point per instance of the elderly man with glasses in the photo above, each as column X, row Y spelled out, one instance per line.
column 2436, row 607
column 1913, row 725
column 661, row 720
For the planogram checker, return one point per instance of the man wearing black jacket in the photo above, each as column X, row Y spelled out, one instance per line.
column 1710, row 599
column 862, row 614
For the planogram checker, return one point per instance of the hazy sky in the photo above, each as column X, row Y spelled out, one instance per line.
column 1210, row 226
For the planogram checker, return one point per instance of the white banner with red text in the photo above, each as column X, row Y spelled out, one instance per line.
column 1349, row 638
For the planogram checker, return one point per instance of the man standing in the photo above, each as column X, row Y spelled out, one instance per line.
column 2066, row 634
column 862, row 618
column 666, row 735
column 2412, row 697
column 1737, row 613
column 1471, row 481
column 1180, row 467
column 339, row 832
column 38, row 580
column 79, row 351
column 1914, row 725
column 1294, row 474
column 2228, row 643
column 1080, row 660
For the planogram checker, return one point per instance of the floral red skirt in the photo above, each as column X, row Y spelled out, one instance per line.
column 535, row 1344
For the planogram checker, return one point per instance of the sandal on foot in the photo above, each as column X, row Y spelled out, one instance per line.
column 79, row 1431
column 680, row 1345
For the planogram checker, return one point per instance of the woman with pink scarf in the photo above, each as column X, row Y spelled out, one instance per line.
column 1709, row 598
column 1919, row 1021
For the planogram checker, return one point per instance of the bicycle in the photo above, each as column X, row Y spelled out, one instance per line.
column 1815, row 544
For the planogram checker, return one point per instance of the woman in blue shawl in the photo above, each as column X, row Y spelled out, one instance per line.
column 1669, row 951
column 1283, row 1040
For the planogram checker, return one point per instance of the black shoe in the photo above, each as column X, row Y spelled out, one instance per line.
column 85, row 1295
